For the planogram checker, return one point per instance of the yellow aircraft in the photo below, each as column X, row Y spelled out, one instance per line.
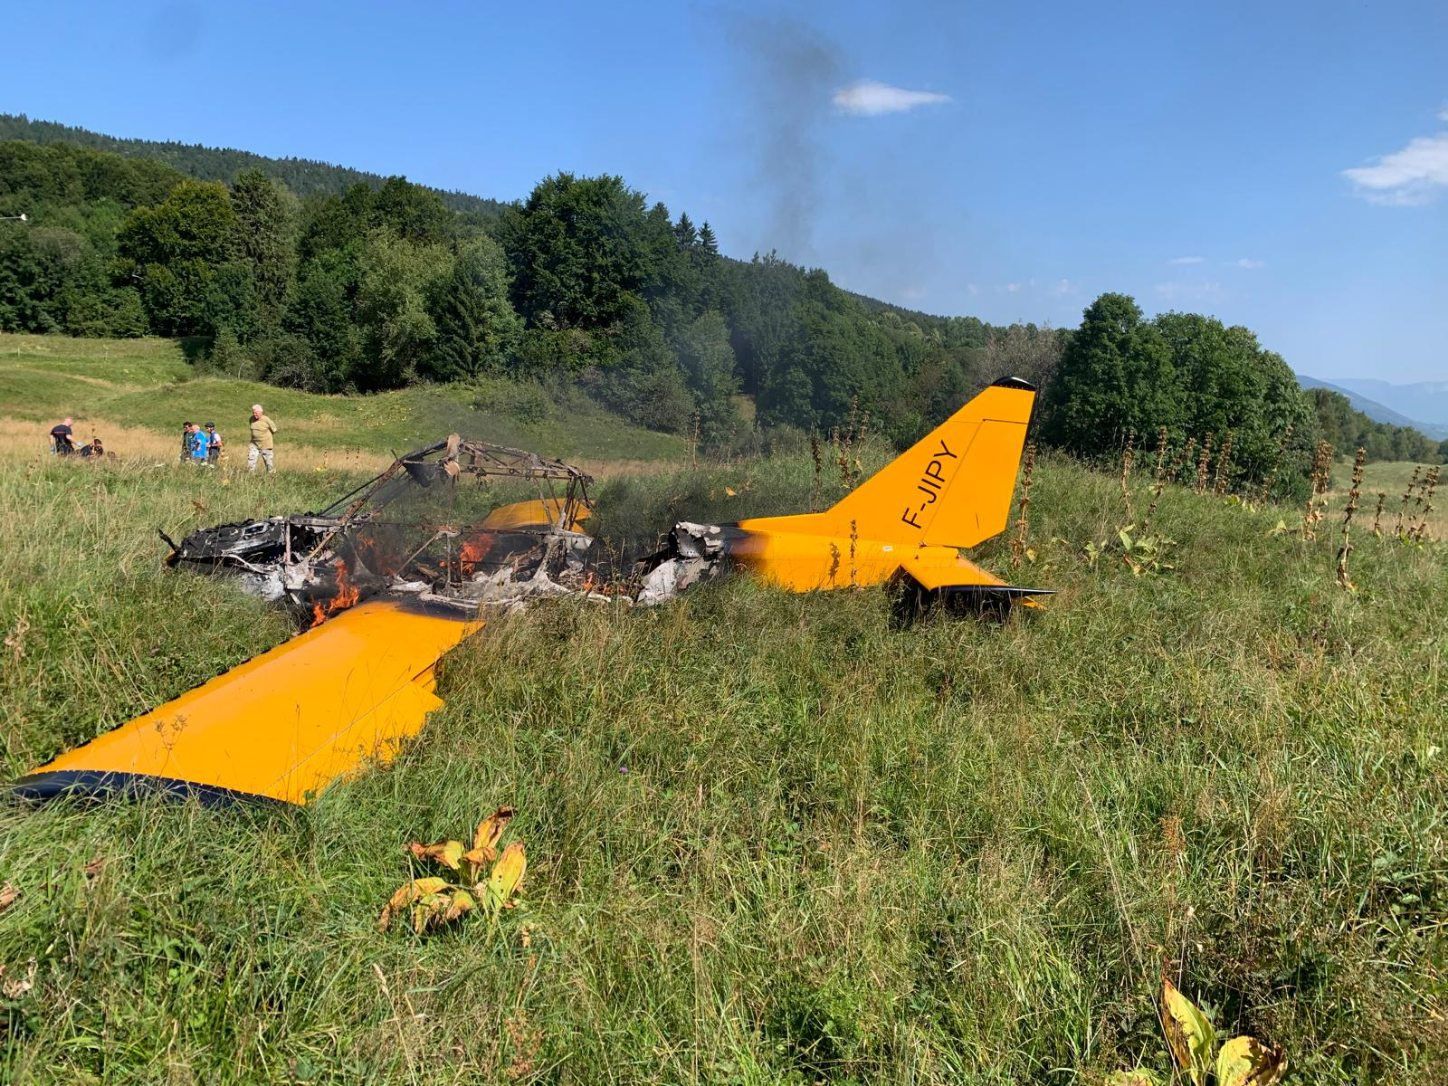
column 907, row 523
column 349, row 692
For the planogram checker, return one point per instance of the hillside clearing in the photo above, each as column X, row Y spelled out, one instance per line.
column 114, row 387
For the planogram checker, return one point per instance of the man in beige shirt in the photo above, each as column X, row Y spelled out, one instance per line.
column 262, row 429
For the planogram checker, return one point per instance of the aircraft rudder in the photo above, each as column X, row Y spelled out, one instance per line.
column 948, row 486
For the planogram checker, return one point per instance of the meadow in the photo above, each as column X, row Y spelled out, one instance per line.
column 771, row 838
column 136, row 394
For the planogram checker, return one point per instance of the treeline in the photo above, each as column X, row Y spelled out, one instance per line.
column 1345, row 427
column 381, row 285
column 303, row 176
column 378, row 287
column 1123, row 378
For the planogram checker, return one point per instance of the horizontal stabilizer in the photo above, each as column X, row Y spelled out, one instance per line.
column 959, row 576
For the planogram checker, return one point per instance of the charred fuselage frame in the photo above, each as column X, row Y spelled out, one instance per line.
column 406, row 532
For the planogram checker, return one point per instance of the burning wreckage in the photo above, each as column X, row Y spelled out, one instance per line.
column 429, row 528
column 399, row 571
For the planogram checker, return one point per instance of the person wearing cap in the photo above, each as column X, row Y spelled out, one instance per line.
column 213, row 444
column 262, row 429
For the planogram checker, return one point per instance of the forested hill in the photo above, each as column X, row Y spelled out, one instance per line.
column 304, row 176
column 363, row 284
column 1374, row 410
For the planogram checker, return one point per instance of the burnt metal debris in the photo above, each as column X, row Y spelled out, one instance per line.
column 459, row 524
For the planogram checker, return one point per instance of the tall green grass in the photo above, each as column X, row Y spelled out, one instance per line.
column 772, row 838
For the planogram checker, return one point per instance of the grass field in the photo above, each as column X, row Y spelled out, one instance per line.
column 772, row 838
column 137, row 393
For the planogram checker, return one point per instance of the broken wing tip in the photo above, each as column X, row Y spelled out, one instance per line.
column 1013, row 382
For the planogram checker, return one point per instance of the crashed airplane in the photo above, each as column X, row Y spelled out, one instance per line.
column 398, row 572
column 414, row 532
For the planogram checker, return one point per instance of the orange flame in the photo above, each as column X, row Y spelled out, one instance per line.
column 347, row 594
column 474, row 549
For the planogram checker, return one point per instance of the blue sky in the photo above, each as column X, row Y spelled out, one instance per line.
column 1007, row 160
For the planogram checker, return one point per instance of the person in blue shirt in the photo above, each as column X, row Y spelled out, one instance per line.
column 200, row 444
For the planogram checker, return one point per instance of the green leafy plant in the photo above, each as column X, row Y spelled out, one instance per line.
column 1144, row 553
column 1241, row 1061
column 487, row 881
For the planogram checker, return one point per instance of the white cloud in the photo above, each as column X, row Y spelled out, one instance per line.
column 1249, row 263
column 1182, row 261
column 867, row 98
column 1013, row 288
column 1064, row 287
column 1414, row 175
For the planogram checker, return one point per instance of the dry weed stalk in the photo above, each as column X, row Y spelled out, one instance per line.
column 1224, row 465
column 1128, row 456
column 817, row 455
column 1028, row 470
column 854, row 546
column 1352, row 503
column 1430, row 484
column 1158, row 482
column 1378, row 516
column 1266, row 493
column 1407, row 496
column 861, row 425
column 1186, row 457
column 1203, row 463
column 1317, row 499
column 845, row 447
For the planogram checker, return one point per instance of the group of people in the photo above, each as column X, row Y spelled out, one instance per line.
column 200, row 446
column 62, row 441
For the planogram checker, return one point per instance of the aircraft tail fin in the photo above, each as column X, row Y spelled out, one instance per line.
column 953, row 487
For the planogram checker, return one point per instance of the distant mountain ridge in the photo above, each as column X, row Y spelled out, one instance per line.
column 1426, row 400
column 304, row 176
column 1375, row 410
